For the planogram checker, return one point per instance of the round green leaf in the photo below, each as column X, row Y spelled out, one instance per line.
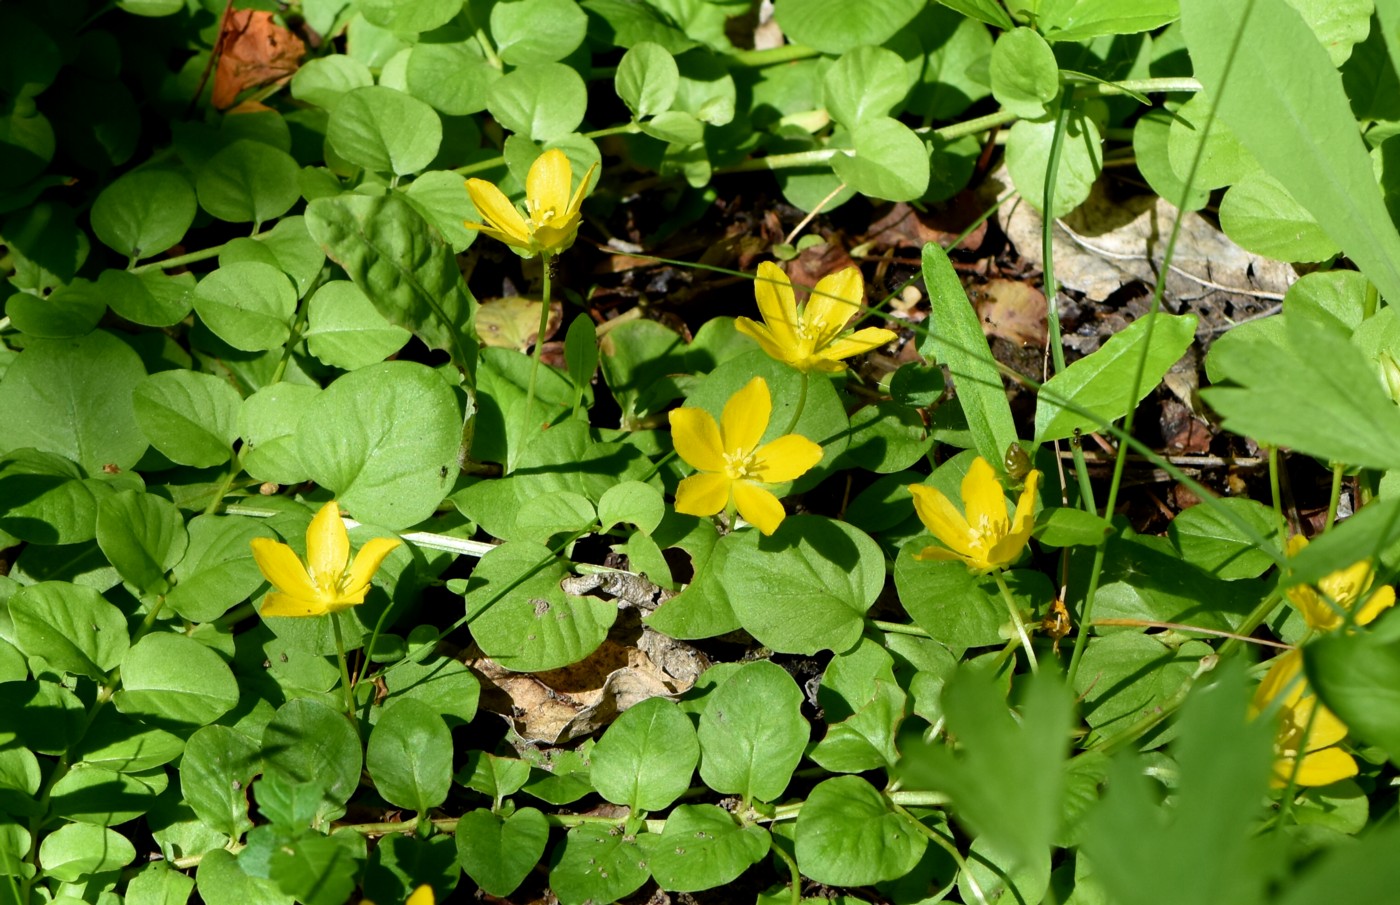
column 72, row 310
column 96, row 795
column 248, row 180
column 1223, row 161
column 410, row 755
column 634, row 503
column 215, row 772
column 444, row 684
column 440, row 197
column 702, row 847
column 1260, row 214
column 143, row 536
column 308, row 742
column 646, row 758
column 190, row 417
column 267, row 422
column 19, row 783
column 1136, row 674
column 752, row 733
column 42, row 716
column 1081, row 158
column 1208, row 537
column 384, row 130
column 647, row 79
column 26, row 145
column 500, row 853
column 866, row 83
column 345, row 330
column 889, row 161
column 172, row 679
column 288, row 246
column 384, row 439
column 536, row 626
column 542, row 101
column 247, row 305
column 407, row 18
column 125, row 746
column 452, row 78
column 542, row 517
column 325, row 80
column 835, row 26
column 222, row 882
column 73, row 397
column 47, row 500
column 848, row 834
column 1358, row 677
column 70, row 626
column 78, row 850
column 886, row 437
column 144, row 212
column 151, row 299
column 958, row 608
column 599, row 864
column 537, row 31
column 217, row 570
column 1150, row 136
column 1025, row 76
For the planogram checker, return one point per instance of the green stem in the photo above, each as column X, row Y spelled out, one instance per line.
column 526, row 430
column 1274, row 484
column 1016, row 619
column 1336, row 496
column 947, row 845
column 344, row 672
column 235, row 468
column 899, row 628
column 787, row 53
column 801, row 403
column 794, row 874
column 1251, row 622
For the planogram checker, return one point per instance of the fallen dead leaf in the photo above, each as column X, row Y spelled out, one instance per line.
column 253, row 50
column 1011, row 309
column 512, row 323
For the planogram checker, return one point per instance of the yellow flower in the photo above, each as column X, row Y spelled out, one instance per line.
column 551, row 216
column 423, row 895
column 1322, row 762
column 730, row 462
column 328, row 582
column 985, row 539
column 1344, row 587
column 810, row 339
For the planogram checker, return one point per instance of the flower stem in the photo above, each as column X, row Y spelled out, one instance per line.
column 801, row 404
column 545, row 260
column 1016, row 620
column 1335, row 498
column 344, row 671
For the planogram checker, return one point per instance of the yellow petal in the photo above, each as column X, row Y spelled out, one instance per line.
column 776, row 302
column 499, row 236
column 548, row 184
column 1281, row 682
column 941, row 554
column 1327, row 729
column 1317, row 613
column 327, row 546
column 282, row 569
column 556, row 236
column 942, row 519
column 423, row 895
column 758, row 507
column 1296, row 543
column 745, row 417
column 762, row 335
column 703, row 494
column 1322, row 768
column 859, row 342
column 697, row 440
column 495, row 208
column 1383, row 598
column 278, row 604
column 576, row 202
column 984, row 502
column 835, row 299
column 785, row 459
column 366, row 563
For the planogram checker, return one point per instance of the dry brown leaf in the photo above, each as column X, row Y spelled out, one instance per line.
column 904, row 227
column 253, row 50
column 1011, row 309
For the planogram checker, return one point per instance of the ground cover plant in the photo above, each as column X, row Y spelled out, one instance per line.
column 603, row 450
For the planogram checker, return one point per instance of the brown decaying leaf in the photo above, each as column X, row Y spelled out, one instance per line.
column 253, row 50
column 1012, row 310
column 511, row 323
column 904, row 227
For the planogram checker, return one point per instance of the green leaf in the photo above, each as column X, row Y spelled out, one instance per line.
column 384, row 130
column 71, row 311
column 1335, row 296
column 955, row 606
column 151, row 299
column 955, row 338
column 1207, row 537
column 323, row 81
column 1150, row 137
column 217, row 570
column 1100, row 385
column 1258, row 213
column 248, row 305
column 1222, row 160
column 288, row 246
column 267, row 422
column 143, row 536
column 1349, row 873
column 221, row 881
column 1077, row 20
column 543, row 517
column 807, row 587
column 646, row 758
column 499, row 853
column 104, row 797
column 46, row 499
column 218, row 766
column 400, row 863
column 1065, row 526
column 443, row 683
column 647, row 79
column 752, row 733
column 1357, row 675
column 1127, row 675
column 345, row 330
column 248, row 180
column 1371, row 533
column 886, row 437
column 888, row 161
column 124, row 746
column 537, row 31
column 190, row 417
column 384, row 439
column 836, row 26
column 1338, row 25
column 307, row 742
column 172, row 679
column 73, row 397
column 599, row 864
column 702, row 847
column 1025, row 76
column 863, row 707
column 634, row 503
column 541, row 101
column 70, row 626
column 144, row 212
column 1286, row 103
column 702, row 610
column 453, row 78
column 488, row 774
column 438, row 197
column 865, row 83
column 19, row 784
column 410, row 755
column 77, row 850
column 848, row 834
column 158, row 883
column 409, row 18
column 41, row 715
column 988, row 11
column 1081, row 159
column 407, row 271
column 534, row 625
column 318, row 870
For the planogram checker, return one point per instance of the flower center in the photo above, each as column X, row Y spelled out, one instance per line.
column 985, row 533
column 537, row 216
column 740, row 466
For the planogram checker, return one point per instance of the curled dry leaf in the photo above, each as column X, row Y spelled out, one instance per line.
column 253, row 50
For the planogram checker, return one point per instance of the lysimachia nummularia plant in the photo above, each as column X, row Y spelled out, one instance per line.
column 391, row 512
